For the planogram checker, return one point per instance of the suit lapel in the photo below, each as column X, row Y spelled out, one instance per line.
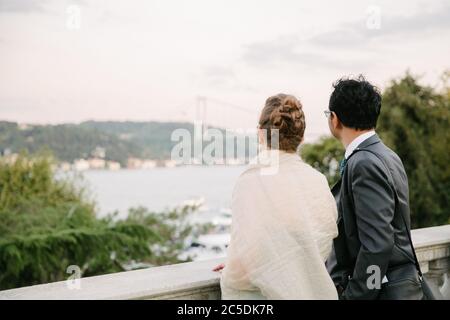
column 336, row 188
column 370, row 141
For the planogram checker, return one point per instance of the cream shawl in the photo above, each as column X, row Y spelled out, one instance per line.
column 283, row 224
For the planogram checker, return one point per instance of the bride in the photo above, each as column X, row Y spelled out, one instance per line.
column 284, row 217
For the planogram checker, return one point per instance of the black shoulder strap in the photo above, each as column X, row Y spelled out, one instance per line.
column 408, row 231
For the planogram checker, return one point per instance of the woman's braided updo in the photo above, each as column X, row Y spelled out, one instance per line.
column 284, row 113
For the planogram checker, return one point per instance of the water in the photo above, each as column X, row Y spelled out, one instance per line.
column 162, row 188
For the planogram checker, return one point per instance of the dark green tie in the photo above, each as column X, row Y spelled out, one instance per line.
column 342, row 165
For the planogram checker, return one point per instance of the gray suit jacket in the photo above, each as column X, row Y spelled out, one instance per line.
column 371, row 230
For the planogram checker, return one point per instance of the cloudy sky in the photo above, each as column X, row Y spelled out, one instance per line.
column 69, row 61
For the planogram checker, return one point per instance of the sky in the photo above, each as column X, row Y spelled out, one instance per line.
column 70, row 61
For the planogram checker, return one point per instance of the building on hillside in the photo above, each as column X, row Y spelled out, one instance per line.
column 96, row 163
column 80, row 165
column 134, row 163
column 148, row 164
column 113, row 165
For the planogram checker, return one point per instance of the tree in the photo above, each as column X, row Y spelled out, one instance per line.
column 48, row 224
column 415, row 122
column 324, row 156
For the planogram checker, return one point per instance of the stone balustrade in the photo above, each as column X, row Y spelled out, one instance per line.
column 196, row 280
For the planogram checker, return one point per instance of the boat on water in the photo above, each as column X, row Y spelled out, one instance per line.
column 208, row 246
column 213, row 244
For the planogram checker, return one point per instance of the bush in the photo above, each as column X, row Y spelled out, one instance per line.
column 48, row 224
column 415, row 122
column 324, row 156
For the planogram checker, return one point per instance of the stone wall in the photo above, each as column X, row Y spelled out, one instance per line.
column 196, row 280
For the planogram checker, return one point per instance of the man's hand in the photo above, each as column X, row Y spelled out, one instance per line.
column 219, row 267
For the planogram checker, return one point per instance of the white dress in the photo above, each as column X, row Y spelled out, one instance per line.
column 284, row 221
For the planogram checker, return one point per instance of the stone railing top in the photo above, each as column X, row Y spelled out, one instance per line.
column 431, row 236
column 137, row 284
column 173, row 280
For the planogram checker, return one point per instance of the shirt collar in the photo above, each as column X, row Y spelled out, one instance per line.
column 357, row 141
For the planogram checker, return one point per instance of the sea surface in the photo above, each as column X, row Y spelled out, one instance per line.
column 162, row 188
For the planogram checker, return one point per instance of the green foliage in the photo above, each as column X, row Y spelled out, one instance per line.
column 153, row 138
column 48, row 224
column 121, row 140
column 324, row 156
column 173, row 227
column 27, row 259
column 69, row 142
column 32, row 179
column 415, row 122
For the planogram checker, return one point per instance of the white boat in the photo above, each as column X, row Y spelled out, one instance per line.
column 208, row 246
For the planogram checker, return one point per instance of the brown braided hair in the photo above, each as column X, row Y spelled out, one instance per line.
column 283, row 112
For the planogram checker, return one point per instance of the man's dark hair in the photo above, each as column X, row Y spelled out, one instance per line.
column 356, row 103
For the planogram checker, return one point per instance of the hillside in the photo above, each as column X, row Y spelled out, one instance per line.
column 152, row 138
column 68, row 142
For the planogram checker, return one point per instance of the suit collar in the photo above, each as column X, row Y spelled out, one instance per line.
column 357, row 141
column 368, row 142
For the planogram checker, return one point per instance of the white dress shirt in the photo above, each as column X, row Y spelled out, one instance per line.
column 357, row 141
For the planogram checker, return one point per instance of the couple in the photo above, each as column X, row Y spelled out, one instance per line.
column 292, row 238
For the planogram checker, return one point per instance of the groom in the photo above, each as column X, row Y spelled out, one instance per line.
column 372, row 257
